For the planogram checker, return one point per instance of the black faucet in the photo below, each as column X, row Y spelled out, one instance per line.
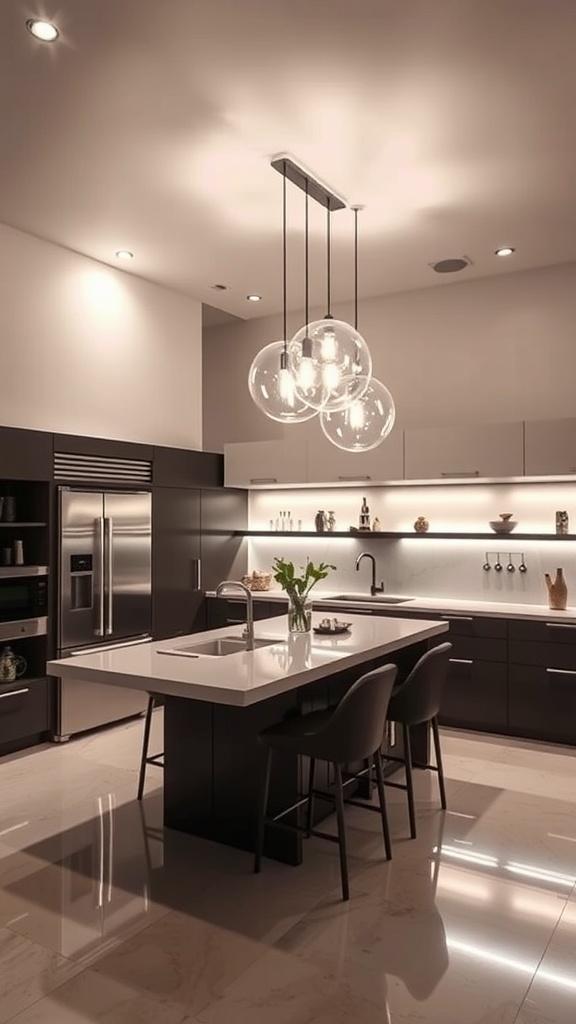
column 373, row 588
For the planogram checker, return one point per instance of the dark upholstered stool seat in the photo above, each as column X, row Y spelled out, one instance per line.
column 349, row 733
column 414, row 702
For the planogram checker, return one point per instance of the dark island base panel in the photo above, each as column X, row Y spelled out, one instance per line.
column 213, row 764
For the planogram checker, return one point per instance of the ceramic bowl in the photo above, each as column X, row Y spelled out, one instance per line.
column 499, row 526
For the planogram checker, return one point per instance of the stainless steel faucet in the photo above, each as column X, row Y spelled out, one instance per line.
column 373, row 588
column 224, row 587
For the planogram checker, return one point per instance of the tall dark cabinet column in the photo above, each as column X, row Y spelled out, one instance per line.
column 194, row 546
column 177, row 598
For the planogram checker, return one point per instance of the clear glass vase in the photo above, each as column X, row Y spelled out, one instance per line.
column 299, row 614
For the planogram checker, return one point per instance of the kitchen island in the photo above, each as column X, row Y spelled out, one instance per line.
column 215, row 706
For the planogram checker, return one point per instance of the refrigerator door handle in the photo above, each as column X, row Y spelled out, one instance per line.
column 108, row 527
column 99, row 631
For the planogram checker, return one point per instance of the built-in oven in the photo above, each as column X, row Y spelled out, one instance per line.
column 23, row 604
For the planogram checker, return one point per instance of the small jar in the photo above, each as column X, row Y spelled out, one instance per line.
column 421, row 525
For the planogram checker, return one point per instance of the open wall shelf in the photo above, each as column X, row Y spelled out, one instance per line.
column 502, row 538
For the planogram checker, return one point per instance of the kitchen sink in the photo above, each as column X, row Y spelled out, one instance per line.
column 215, row 648
column 376, row 598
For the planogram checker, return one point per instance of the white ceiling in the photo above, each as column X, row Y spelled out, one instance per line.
column 150, row 126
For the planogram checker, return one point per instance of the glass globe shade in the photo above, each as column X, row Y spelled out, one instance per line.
column 272, row 387
column 365, row 423
column 330, row 362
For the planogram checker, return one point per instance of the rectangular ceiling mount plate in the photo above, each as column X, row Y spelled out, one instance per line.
column 304, row 180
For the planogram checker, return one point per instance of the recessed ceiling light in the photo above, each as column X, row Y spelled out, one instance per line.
column 254, row 298
column 219, row 287
column 506, row 250
column 43, row 30
column 125, row 254
column 452, row 265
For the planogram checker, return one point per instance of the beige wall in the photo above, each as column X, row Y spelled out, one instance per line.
column 500, row 348
column 91, row 350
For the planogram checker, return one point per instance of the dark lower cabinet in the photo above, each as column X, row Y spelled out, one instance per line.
column 24, row 713
column 476, row 695
column 542, row 703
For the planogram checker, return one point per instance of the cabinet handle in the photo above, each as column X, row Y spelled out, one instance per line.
column 14, row 693
column 349, row 478
column 464, row 472
column 263, row 480
column 560, row 625
column 561, row 671
column 458, row 618
column 461, row 661
column 196, row 574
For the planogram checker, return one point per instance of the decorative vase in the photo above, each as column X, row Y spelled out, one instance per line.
column 299, row 614
column 331, row 521
column 421, row 525
column 320, row 521
column 557, row 590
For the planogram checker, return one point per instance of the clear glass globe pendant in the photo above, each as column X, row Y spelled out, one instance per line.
column 271, row 386
column 330, row 363
column 365, row 423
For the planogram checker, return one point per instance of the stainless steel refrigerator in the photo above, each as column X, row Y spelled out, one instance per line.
column 104, row 597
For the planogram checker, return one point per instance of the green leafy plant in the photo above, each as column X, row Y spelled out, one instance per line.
column 298, row 588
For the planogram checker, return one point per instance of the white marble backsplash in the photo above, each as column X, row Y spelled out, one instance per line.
column 425, row 566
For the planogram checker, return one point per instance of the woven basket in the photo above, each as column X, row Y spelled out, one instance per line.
column 258, row 580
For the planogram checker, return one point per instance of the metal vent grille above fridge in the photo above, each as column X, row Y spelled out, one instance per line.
column 69, row 466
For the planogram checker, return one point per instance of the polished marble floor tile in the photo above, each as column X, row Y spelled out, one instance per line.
column 105, row 917
column 28, row 971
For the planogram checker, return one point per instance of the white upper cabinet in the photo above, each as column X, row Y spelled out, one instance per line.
column 328, row 464
column 445, row 453
column 264, row 463
column 550, row 447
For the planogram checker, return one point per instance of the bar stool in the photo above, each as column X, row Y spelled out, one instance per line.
column 416, row 701
column 154, row 701
column 349, row 733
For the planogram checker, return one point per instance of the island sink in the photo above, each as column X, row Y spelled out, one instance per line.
column 215, row 648
column 375, row 598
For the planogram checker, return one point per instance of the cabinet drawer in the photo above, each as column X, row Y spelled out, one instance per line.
column 525, row 652
column 547, row 631
column 475, row 626
column 23, row 709
column 542, row 703
column 477, row 648
column 475, row 695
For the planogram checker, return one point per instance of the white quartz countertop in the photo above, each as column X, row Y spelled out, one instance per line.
column 432, row 605
column 247, row 677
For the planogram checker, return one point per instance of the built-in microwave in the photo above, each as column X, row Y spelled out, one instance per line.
column 23, row 597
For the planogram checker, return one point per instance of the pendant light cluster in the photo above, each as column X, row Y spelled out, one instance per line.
column 326, row 369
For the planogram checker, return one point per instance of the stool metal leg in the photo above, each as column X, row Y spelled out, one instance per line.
column 441, row 785
column 409, row 783
column 265, row 789
column 310, row 808
column 339, row 793
column 145, row 743
column 382, row 800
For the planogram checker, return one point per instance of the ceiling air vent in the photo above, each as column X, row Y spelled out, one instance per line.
column 101, row 469
column 452, row 265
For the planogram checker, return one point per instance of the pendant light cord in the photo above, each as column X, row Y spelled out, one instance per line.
column 284, row 277
column 356, row 268
column 328, row 240
column 306, row 257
